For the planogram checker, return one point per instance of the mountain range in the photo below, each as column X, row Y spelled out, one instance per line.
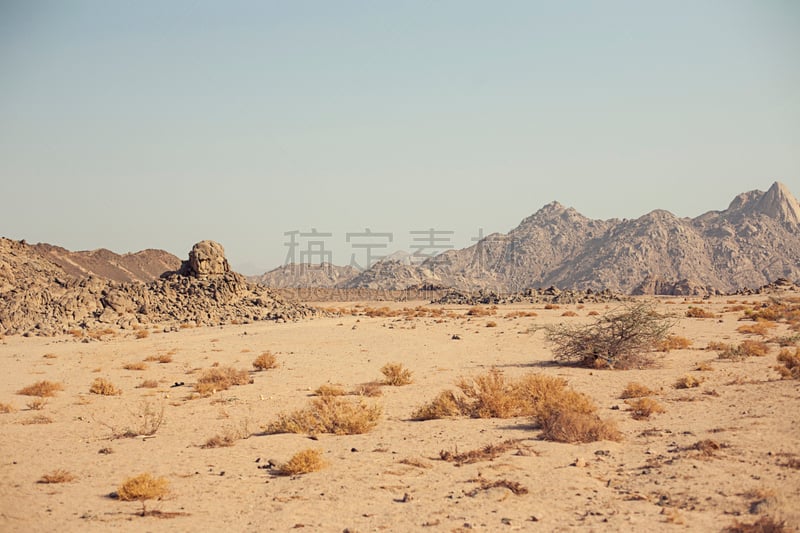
column 754, row 241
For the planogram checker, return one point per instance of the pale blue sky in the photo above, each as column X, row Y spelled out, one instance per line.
column 129, row 125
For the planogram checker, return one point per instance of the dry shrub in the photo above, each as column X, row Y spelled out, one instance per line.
column 491, row 324
column 6, row 408
column 104, row 387
column 572, row 426
column 620, row 339
column 142, row 334
column 330, row 390
column 371, row 389
column 569, row 313
column 396, row 374
column 765, row 524
column 484, row 484
column 445, row 405
column 42, row 389
column 77, row 333
column 642, row 408
column 791, row 363
column 57, row 476
column 213, row 380
column 50, row 356
column 142, row 488
column 265, row 361
column 98, row 334
column 416, row 462
column 760, row 327
column 150, row 419
column 37, row 404
column 135, row 366
column 688, row 382
column 550, row 307
column 163, row 358
column 329, row 414
column 147, row 384
column 699, row 312
column 224, row 440
column 592, row 313
column 38, row 419
column 704, row 367
column 486, row 453
column 674, row 342
column 635, row 390
column 303, row 462
column 747, row 348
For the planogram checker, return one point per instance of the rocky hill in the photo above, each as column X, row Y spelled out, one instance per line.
column 754, row 241
column 304, row 275
column 144, row 266
column 38, row 297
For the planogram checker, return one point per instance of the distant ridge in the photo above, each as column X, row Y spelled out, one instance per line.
column 753, row 242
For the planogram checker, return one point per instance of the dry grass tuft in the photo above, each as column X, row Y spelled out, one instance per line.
column 416, row 462
column 142, row 488
column 330, row 390
column 569, row 313
column 635, row 390
column 395, row 374
column 135, row 366
column 760, row 327
column 481, row 311
column 329, row 414
column 37, row 404
column 148, row 384
column 42, row 389
column 674, row 342
column 486, row 453
column 38, row 419
column 6, row 408
column 163, row 358
column 445, row 405
column 104, row 387
column 57, row 476
column 748, row 348
column 303, row 462
column 790, row 363
column 704, row 367
column 765, row 524
column 688, row 382
column 643, row 408
column 265, row 361
column 491, row 324
column 142, row 334
column 572, row 426
column 484, row 484
column 699, row 312
column 371, row 389
column 217, row 379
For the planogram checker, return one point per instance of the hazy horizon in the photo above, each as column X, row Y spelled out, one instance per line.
column 153, row 125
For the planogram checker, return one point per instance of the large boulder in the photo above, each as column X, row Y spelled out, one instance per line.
column 207, row 258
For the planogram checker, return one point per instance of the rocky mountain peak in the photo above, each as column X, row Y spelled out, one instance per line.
column 779, row 203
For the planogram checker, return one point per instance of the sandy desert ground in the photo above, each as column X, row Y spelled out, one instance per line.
column 393, row 478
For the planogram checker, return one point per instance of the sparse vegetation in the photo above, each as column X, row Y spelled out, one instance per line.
column 765, row 524
column 57, row 476
column 265, row 361
column 303, row 462
column 330, row 390
column 574, row 426
column 491, row 324
column 142, row 334
column 37, row 404
column 699, row 312
column 139, row 365
column 163, row 358
column 395, row 374
column 635, row 390
column 688, row 382
column 147, row 384
column 104, row 387
column 218, row 379
column 759, row 327
column 42, row 389
column 674, row 342
column 569, row 314
column 643, row 408
column 486, row 453
column 789, row 366
column 619, row 339
column 329, row 414
column 6, row 408
column 142, row 488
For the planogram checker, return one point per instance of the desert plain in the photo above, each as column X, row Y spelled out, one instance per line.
column 725, row 451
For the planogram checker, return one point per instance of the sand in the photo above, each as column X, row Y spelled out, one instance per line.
column 392, row 478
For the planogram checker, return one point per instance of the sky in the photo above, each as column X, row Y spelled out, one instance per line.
column 131, row 125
